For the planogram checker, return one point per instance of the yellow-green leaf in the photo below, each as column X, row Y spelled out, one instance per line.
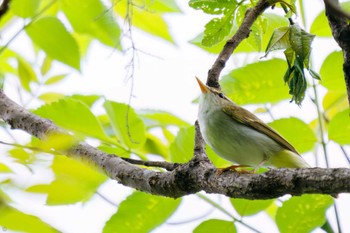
column 24, row 8
column 51, row 36
column 256, row 83
column 26, row 73
column 93, row 18
column 339, row 126
column 303, row 214
column 216, row 225
column 74, row 115
column 332, row 72
column 141, row 213
column 246, row 207
column 74, row 182
column 297, row 132
column 127, row 126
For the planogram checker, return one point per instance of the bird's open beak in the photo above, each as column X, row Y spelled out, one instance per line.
column 203, row 87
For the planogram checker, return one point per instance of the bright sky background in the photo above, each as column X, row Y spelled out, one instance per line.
column 164, row 79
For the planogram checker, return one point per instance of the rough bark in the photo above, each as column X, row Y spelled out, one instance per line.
column 196, row 175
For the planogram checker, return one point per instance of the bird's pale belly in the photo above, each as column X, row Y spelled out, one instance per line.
column 236, row 142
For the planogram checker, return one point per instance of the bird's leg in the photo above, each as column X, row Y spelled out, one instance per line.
column 233, row 168
column 260, row 164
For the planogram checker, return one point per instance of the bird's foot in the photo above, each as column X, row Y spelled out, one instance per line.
column 235, row 168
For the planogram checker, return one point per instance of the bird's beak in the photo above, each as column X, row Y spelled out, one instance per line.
column 203, row 87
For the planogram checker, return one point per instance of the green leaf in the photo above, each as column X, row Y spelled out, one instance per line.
column 93, row 18
column 314, row 74
column 73, row 115
column 74, row 182
column 279, row 40
column 182, row 148
column 89, row 100
column 26, row 73
column 320, row 26
column 246, row 207
column 24, row 8
column 51, row 36
column 20, row 155
column 11, row 217
column 303, row 214
column 217, row 30
column 127, row 126
column 332, row 72
column 148, row 21
column 213, row 7
column 301, row 41
column 256, row 83
column 215, row 225
column 339, row 126
column 141, row 212
column 297, row 132
column 55, row 79
column 154, row 118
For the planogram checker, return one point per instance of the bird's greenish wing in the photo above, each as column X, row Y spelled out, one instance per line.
column 247, row 118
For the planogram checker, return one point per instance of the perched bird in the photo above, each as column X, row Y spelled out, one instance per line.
column 237, row 135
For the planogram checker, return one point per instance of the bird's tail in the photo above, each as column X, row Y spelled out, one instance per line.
column 289, row 159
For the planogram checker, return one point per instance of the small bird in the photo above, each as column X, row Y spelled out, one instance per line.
column 239, row 136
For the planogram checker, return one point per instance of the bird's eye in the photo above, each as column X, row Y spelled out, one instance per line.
column 221, row 95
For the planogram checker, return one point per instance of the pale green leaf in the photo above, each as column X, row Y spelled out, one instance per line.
column 20, row 155
column 160, row 6
column 11, row 217
column 24, row 8
column 55, row 79
column 303, row 214
column 297, row 132
column 245, row 207
column 154, row 118
column 89, row 100
column 93, row 18
column 320, row 26
column 339, row 126
column 148, row 21
column 140, row 213
column 215, row 225
column 128, row 127
column 46, row 65
column 74, row 182
column 26, row 73
column 73, row 115
column 279, row 40
column 332, row 72
column 256, row 83
column 50, row 97
column 52, row 37
column 213, row 7
column 182, row 148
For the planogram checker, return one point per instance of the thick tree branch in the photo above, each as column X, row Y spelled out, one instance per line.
column 4, row 7
column 242, row 33
column 197, row 175
column 341, row 33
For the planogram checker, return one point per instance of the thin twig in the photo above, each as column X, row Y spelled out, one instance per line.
column 4, row 7
column 242, row 33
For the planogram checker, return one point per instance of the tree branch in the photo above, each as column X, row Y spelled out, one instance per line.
column 197, row 175
column 4, row 7
column 341, row 32
column 242, row 33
